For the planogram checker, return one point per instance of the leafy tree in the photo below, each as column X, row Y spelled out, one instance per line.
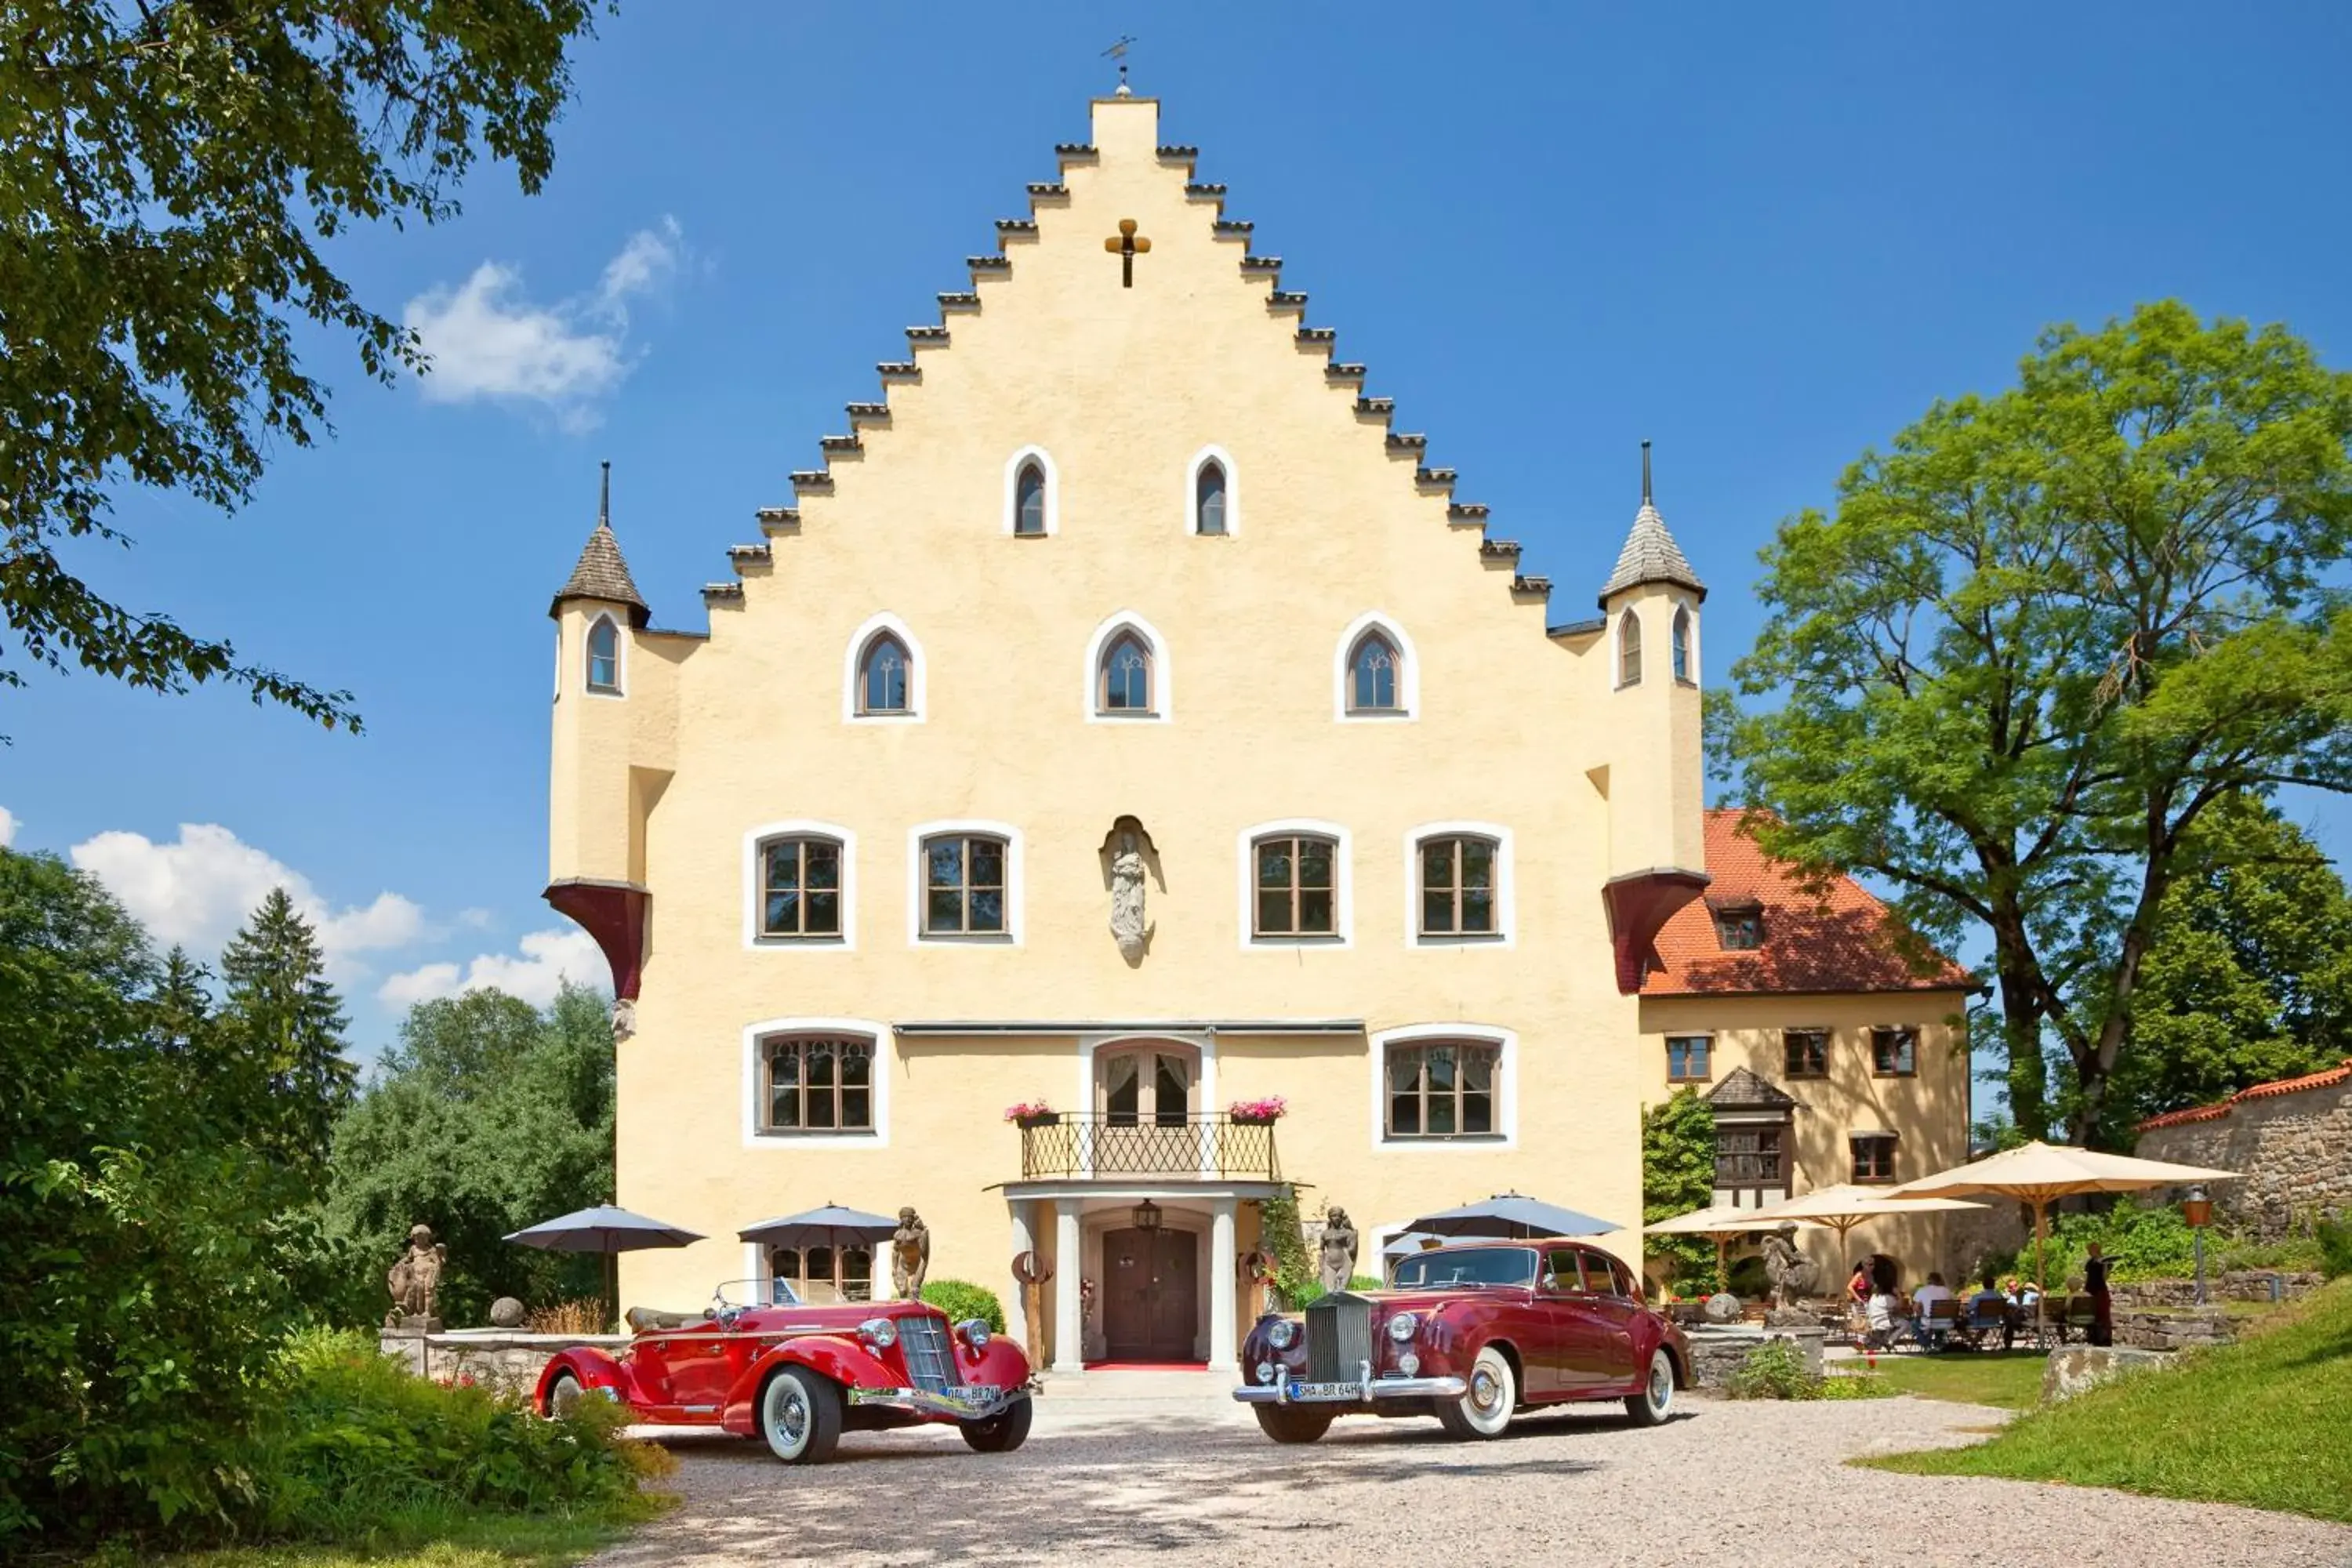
column 2248, row 977
column 491, row 1115
column 170, row 174
column 2041, row 637
column 285, row 1025
column 151, row 1270
column 1677, row 1176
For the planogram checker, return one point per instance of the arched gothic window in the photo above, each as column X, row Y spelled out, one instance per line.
column 1124, row 683
column 1029, row 500
column 1209, row 499
column 1681, row 643
column 882, row 676
column 1372, row 667
column 1629, row 649
column 605, row 656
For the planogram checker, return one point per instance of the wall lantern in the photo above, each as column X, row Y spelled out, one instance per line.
column 1147, row 1215
column 2197, row 1208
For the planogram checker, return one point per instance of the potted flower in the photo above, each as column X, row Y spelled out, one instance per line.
column 1031, row 1113
column 1257, row 1112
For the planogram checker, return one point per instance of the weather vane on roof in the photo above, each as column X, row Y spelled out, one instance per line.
column 1117, row 51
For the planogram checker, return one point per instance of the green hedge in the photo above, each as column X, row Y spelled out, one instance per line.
column 961, row 1299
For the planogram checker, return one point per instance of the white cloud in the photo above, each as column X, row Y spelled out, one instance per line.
column 198, row 891
column 547, row 959
column 475, row 918
column 7, row 827
column 488, row 341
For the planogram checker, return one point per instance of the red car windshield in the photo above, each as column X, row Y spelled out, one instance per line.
column 1441, row 1269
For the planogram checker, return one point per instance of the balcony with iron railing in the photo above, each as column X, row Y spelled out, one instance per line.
column 1099, row 1145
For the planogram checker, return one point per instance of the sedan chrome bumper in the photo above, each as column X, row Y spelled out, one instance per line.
column 1366, row 1390
column 969, row 1402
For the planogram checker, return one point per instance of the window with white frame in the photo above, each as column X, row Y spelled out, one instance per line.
column 1629, row 649
column 1681, row 645
column 1374, row 668
column 1460, row 878
column 885, row 677
column 1123, row 683
column 1296, row 886
column 800, row 889
column 817, row 1083
column 1209, row 499
column 604, row 657
column 964, row 885
column 1442, row 1090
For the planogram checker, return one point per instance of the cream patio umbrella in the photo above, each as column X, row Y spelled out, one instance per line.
column 2040, row 1173
column 1847, row 1205
column 1722, row 1225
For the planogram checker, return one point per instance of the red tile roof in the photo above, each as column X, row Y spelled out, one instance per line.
column 1845, row 940
column 2327, row 1078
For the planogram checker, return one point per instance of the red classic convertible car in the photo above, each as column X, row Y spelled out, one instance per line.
column 800, row 1375
column 1469, row 1334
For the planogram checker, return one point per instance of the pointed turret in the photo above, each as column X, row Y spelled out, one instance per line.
column 1651, row 554
column 600, row 573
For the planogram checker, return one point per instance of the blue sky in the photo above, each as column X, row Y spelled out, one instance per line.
column 1766, row 238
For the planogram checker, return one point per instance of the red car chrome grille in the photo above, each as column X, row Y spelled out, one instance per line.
column 931, row 1360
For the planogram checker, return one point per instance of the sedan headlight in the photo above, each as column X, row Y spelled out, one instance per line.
column 1282, row 1333
column 975, row 1333
column 879, row 1333
column 1402, row 1327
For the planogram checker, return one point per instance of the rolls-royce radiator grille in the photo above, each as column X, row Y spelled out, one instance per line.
column 1339, row 1338
column 931, row 1362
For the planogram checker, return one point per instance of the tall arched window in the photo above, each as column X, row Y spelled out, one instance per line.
column 605, row 656
column 1209, row 499
column 882, row 676
column 1372, row 667
column 1629, row 649
column 1681, row 645
column 1029, row 500
column 1124, row 685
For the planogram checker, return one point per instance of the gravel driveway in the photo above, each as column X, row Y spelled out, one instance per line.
column 1190, row 1480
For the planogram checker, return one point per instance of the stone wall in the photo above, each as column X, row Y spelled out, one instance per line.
column 2172, row 1331
column 1717, row 1353
column 492, row 1357
column 2294, row 1149
column 2238, row 1284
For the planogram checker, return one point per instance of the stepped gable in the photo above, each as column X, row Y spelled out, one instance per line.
column 1056, row 194
column 600, row 573
column 1844, row 941
column 1651, row 554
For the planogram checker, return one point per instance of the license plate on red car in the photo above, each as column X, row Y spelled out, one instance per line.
column 1314, row 1391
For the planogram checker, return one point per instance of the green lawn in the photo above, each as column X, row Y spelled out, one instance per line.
column 2010, row 1380
column 426, row 1540
column 2260, row 1422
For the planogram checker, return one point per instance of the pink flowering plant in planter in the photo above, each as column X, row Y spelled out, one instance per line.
column 1031, row 1113
column 1257, row 1112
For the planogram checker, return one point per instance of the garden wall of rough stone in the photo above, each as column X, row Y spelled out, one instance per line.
column 2238, row 1284
column 493, row 1359
column 2296, row 1150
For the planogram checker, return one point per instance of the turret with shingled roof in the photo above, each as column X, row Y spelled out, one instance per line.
column 1651, row 554
column 600, row 573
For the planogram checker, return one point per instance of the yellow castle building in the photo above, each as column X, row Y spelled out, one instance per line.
column 1128, row 723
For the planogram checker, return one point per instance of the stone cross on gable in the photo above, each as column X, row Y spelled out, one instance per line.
column 1127, row 244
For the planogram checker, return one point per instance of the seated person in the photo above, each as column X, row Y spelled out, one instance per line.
column 1988, row 1308
column 1924, row 1298
column 1884, row 1315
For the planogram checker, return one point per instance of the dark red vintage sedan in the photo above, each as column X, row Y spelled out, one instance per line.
column 1468, row 1333
column 798, row 1375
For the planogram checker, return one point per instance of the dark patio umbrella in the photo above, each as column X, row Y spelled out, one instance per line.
column 604, row 1229
column 820, row 1228
column 1511, row 1215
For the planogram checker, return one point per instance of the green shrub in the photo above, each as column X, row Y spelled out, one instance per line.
column 2140, row 1242
column 961, row 1299
column 357, row 1441
column 2334, row 1237
column 1774, row 1370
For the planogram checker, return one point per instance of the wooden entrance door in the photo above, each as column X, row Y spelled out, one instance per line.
column 1150, row 1304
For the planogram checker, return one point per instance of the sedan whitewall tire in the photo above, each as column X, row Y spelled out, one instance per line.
column 1485, row 1408
column 1651, row 1406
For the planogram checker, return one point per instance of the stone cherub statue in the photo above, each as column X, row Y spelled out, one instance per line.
column 1337, row 1252
column 1791, row 1273
column 416, row 1279
column 910, row 1256
column 1126, row 895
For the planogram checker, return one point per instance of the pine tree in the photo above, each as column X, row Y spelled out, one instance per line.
column 287, row 1024
column 180, row 1008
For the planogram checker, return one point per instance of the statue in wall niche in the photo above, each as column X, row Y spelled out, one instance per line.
column 625, row 1020
column 1338, row 1249
column 1792, row 1274
column 910, row 1256
column 416, row 1281
column 1127, row 896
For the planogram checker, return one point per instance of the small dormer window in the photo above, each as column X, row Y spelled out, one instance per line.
column 1740, row 928
column 604, row 657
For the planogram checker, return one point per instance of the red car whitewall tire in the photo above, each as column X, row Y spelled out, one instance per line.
column 800, row 1415
column 1003, row 1432
column 1485, row 1409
